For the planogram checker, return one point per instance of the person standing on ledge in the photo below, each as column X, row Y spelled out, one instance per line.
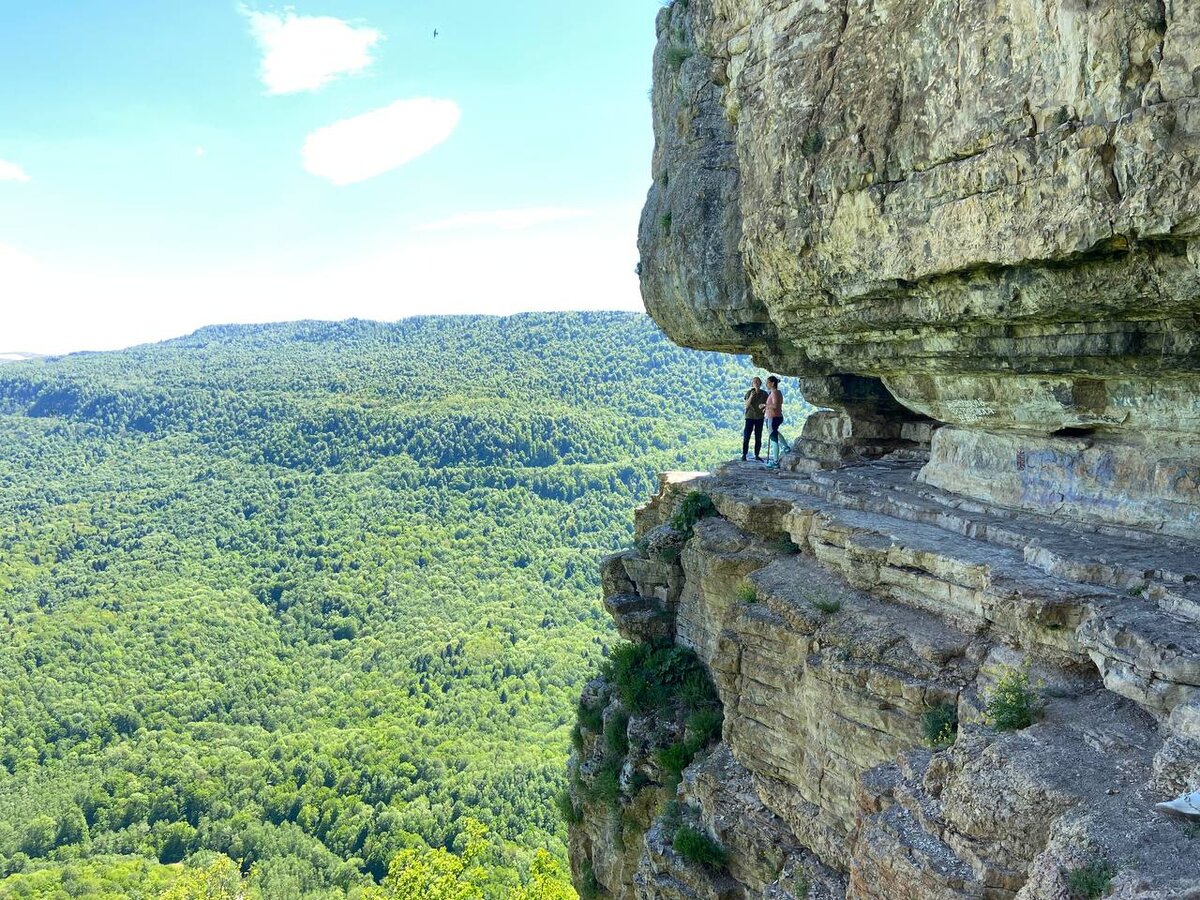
column 773, row 410
column 755, row 401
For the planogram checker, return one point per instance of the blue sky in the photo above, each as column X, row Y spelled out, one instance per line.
column 169, row 165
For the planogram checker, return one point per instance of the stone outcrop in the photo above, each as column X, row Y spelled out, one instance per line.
column 956, row 640
column 836, row 610
column 984, row 212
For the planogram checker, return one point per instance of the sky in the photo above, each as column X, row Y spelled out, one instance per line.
column 165, row 166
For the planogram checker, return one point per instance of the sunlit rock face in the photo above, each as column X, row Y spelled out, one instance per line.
column 991, row 209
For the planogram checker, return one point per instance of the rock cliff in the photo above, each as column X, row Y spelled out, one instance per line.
column 952, row 650
column 986, row 212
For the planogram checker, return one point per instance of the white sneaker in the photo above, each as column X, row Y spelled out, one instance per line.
column 1186, row 805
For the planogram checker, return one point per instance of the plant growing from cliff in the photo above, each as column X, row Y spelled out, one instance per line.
column 665, row 221
column 828, row 604
column 570, row 813
column 674, row 759
column 590, row 718
column 616, row 734
column 1092, row 880
column 699, row 847
column 704, row 726
column 939, row 725
column 695, row 506
column 606, row 785
column 696, row 690
column 1013, row 703
column 678, row 55
column 668, row 553
column 747, row 592
column 589, row 885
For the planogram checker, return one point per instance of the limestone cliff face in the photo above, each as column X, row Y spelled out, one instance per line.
column 971, row 228
column 837, row 612
column 989, row 210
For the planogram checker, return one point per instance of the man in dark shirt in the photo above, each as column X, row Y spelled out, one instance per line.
column 755, row 402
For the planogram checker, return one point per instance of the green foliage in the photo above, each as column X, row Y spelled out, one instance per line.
column 813, row 143
column 570, row 813
column 1092, row 880
column 616, row 734
column 665, row 222
column 675, row 758
column 695, row 506
column 589, row 887
column 747, row 592
column 298, row 595
column 704, row 726
column 648, row 677
column 828, row 604
column 606, row 784
column 677, row 55
column 589, row 718
column 1012, row 704
column 698, row 847
column 939, row 725
column 696, row 689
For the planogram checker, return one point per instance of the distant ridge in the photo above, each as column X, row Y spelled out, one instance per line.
column 19, row 357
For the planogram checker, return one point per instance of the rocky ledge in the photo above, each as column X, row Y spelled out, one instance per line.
column 960, row 212
column 952, row 650
column 922, row 696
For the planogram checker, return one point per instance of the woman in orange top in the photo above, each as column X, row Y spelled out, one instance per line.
column 774, row 414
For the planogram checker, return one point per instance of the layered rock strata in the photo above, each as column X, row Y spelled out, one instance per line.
column 989, row 211
column 836, row 610
column 956, row 641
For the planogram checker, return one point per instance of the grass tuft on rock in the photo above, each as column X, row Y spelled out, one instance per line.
column 939, row 726
column 589, row 886
column 1013, row 703
column 589, row 718
column 695, row 506
column 1092, row 880
column 828, row 604
column 616, row 734
column 678, row 55
column 567, row 809
column 699, row 848
column 747, row 592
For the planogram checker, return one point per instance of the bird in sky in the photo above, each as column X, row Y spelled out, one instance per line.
column 435, row 32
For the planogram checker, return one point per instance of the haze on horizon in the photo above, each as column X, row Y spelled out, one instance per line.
column 197, row 163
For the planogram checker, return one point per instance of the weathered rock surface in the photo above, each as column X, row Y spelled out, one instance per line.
column 990, row 209
column 971, row 229
column 875, row 599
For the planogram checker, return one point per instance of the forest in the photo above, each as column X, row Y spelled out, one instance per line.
column 303, row 610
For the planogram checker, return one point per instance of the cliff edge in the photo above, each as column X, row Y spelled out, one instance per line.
column 978, row 215
column 953, row 649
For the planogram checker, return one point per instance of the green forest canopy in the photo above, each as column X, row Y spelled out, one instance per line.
column 315, row 597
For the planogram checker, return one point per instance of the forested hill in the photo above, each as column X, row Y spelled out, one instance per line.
column 297, row 602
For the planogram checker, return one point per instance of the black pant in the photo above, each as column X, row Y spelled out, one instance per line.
column 755, row 427
column 776, row 421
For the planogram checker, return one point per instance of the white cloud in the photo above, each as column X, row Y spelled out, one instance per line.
column 362, row 147
column 12, row 172
column 302, row 53
column 505, row 219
